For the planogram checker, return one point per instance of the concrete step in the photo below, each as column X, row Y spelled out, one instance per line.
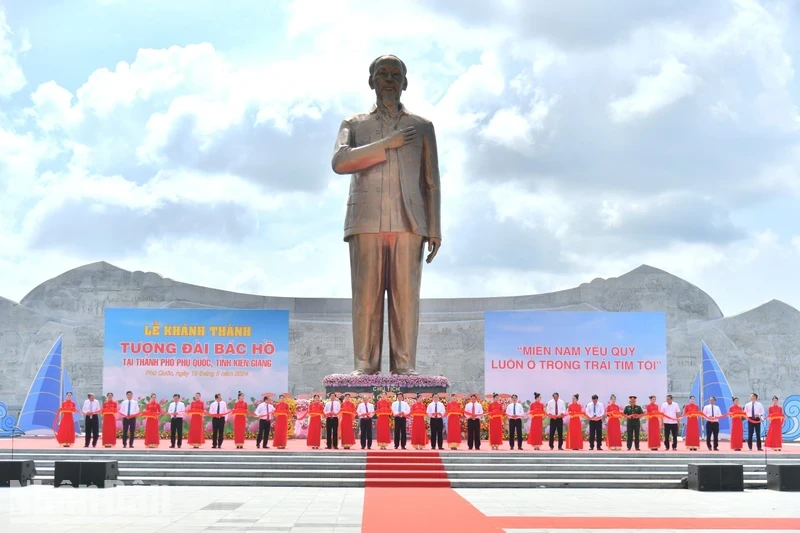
column 210, row 465
column 336, row 456
column 393, row 459
column 48, row 472
column 616, row 483
column 410, row 468
column 405, row 474
column 627, row 467
column 407, row 483
column 452, row 459
column 613, row 483
column 361, row 462
column 310, row 461
column 644, row 459
column 430, row 467
column 581, row 475
column 237, row 481
column 190, row 457
column 224, row 472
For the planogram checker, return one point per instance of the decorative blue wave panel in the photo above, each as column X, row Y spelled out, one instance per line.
column 791, row 410
column 7, row 427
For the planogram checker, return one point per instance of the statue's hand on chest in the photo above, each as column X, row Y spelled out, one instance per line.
column 402, row 137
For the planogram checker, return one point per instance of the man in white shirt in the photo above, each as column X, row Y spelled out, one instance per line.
column 671, row 412
column 595, row 411
column 91, row 408
column 515, row 412
column 218, row 411
column 555, row 411
column 400, row 410
column 128, row 408
column 332, row 408
column 176, row 411
column 365, row 412
column 755, row 414
column 264, row 413
column 473, row 411
column 712, row 412
column 436, row 411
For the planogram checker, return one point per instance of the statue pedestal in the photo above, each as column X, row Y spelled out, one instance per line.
column 378, row 383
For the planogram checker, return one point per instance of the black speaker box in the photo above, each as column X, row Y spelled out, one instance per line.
column 716, row 477
column 20, row 471
column 783, row 477
column 85, row 473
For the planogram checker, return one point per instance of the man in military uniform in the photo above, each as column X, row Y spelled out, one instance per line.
column 634, row 424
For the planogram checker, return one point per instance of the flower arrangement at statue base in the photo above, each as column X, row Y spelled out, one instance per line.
column 377, row 383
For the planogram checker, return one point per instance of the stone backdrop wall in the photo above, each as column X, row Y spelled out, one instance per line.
column 759, row 350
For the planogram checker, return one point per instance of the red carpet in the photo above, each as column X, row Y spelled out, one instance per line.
column 410, row 469
column 418, row 483
column 436, row 510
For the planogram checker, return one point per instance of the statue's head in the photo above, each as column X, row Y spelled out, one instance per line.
column 387, row 77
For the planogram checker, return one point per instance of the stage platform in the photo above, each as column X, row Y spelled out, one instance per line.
column 298, row 466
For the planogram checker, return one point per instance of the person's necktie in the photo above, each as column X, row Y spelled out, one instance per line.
column 473, row 409
column 556, row 408
column 436, row 407
column 129, row 408
column 514, row 409
column 217, row 407
column 752, row 410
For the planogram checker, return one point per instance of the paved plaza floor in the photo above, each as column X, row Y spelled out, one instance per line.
column 135, row 509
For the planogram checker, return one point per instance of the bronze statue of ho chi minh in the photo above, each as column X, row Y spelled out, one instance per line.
column 393, row 209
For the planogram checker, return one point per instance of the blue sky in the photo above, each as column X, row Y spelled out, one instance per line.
column 194, row 140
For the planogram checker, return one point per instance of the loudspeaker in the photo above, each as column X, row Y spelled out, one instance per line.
column 21, row 472
column 85, row 473
column 783, row 477
column 716, row 477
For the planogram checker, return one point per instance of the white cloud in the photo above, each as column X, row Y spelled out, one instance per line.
column 53, row 109
column 654, row 92
column 796, row 242
column 517, row 129
column 11, row 77
column 721, row 110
